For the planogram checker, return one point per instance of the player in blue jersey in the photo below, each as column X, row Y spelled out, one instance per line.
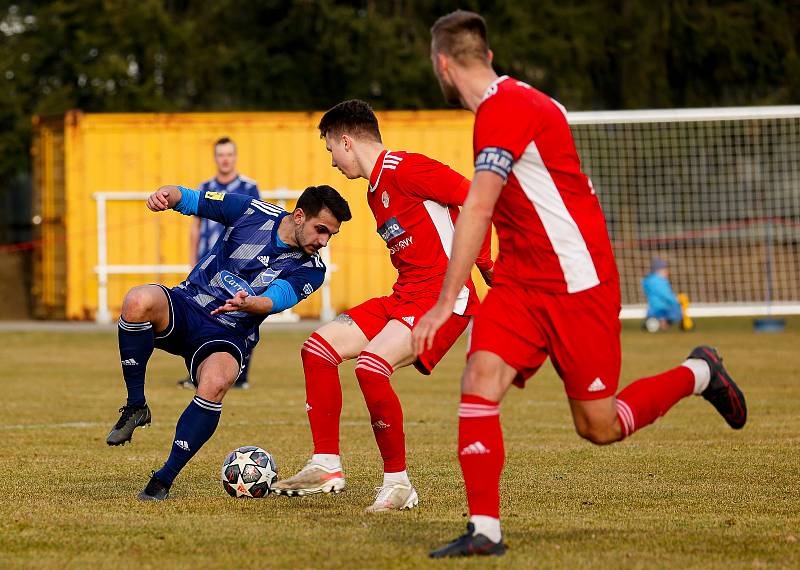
column 266, row 261
column 205, row 232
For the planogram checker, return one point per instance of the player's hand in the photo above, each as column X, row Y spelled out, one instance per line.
column 238, row 303
column 158, row 201
column 423, row 334
column 488, row 275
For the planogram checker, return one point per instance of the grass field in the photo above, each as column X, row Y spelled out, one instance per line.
column 686, row 492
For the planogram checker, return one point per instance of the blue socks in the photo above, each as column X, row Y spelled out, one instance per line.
column 136, row 342
column 195, row 426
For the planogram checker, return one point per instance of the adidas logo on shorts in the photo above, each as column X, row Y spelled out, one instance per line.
column 476, row 448
column 409, row 320
column 597, row 385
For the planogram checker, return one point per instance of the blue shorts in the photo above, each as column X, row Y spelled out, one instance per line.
column 195, row 336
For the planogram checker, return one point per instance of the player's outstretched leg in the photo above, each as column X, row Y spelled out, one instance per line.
column 644, row 401
column 386, row 416
column 195, row 427
column 141, row 307
column 722, row 392
column 323, row 473
column 197, row 423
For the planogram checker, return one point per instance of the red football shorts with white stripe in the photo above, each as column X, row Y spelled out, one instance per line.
column 578, row 331
column 372, row 315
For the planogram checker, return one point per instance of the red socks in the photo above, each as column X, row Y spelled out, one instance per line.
column 385, row 412
column 481, row 453
column 644, row 401
column 323, row 393
column 324, row 401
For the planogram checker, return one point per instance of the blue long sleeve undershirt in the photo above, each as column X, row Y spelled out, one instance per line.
column 282, row 294
column 188, row 202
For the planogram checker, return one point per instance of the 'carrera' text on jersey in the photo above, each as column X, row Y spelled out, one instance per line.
column 391, row 229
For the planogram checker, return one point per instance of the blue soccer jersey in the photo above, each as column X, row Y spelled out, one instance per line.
column 210, row 230
column 249, row 257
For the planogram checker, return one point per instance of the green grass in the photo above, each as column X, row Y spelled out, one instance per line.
column 686, row 492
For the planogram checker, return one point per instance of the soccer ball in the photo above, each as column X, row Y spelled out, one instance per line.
column 249, row 471
column 652, row 325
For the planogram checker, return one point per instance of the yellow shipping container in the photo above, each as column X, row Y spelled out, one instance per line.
column 78, row 155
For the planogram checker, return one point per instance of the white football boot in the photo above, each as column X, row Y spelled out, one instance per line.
column 311, row 479
column 394, row 497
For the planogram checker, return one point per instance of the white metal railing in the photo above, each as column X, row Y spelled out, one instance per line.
column 720, row 310
column 104, row 270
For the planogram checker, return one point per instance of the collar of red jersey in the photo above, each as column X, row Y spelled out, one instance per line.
column 492, row 89
column 373, row 187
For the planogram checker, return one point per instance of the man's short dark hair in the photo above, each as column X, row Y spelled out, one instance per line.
column 354, row 117
column 224, row 140
column 461, row 35
column 314, row 198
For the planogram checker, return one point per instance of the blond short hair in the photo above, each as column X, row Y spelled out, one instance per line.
column 461, row 35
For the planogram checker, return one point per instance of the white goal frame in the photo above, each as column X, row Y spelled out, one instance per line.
column 104, row 270
column 721, row 114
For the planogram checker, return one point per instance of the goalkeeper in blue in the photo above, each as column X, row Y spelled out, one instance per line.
column 266, row 261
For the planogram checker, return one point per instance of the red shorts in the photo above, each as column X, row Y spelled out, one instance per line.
column 579, row 331
column 372, row 315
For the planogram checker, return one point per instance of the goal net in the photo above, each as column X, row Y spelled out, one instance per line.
column 714, row 192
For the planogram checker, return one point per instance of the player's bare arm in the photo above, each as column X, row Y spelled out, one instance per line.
column 253, row 304
column 471, row 227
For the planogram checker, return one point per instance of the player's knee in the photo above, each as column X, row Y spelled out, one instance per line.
column 599, row 435
column 137, row 304
column 469, row 381
column 214, row 386
column 479, row 379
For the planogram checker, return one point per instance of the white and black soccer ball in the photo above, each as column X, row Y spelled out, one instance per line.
column 249, row 471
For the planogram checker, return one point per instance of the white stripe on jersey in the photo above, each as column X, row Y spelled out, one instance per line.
column 389, row 163
column 440, row 216
column 568, row 243
column 266, row 207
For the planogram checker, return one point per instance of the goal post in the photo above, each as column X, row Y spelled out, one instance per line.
column 714, row 192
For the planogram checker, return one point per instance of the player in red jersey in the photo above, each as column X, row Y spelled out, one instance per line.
column 555, row 288
column 415, row 202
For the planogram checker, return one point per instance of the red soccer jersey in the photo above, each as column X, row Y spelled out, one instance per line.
column 552, row 232
column 415, row 202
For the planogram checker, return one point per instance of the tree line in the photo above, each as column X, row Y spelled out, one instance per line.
column 194, row 55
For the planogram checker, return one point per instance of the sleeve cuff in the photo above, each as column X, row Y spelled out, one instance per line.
column 189, row 201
